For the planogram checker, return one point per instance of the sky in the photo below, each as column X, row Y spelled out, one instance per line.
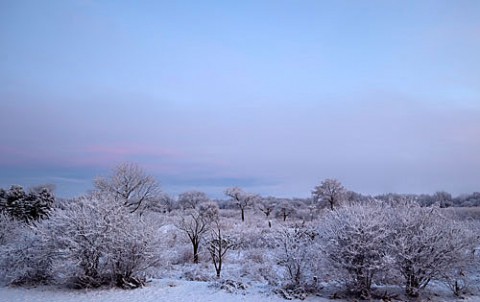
column 270, row 96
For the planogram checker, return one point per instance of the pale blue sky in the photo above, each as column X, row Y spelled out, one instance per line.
column 272, row 96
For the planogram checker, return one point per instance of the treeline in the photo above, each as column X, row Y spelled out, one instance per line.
column 442, row 199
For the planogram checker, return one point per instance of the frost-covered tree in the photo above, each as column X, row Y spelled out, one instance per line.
column 163, row 203
column 285, row 209
column 191, row 199
column 427, row 245
column 130, row 185
column 27, row 252
column 365, row 240
column 83, row 233
column 297, row 253
column 471, row 200
column 168, row 203
column 460, row 277
column 330, row 191
column 267, row 206
column 210, row 211
column 108, row 244
column 444, row 199
column 355, row 243
column 132, row 251
column 242, row 199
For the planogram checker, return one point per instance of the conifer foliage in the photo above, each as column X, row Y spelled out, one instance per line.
column 27, row 207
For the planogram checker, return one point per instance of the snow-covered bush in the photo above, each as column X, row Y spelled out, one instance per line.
column 260, row 264
column 174, row 247
column 297, row 253
column 8, row 228
column 364, row 241
column 355, row 244
column 132, row 252
column 428, row 245
column 83, row 230
column 460, row 278
column 27, row 253
column 106, row 243
column 253, row 238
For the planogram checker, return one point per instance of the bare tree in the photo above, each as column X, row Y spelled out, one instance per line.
column 209, row 210
column 130, row 185
column 330, row 191
column 168, row 203
column 285, row 209
column 219, row 246
column 191, row 199
column 267, row 206
column 443, row 198
column 163, row 203
column 243, row 200
column 195, row 225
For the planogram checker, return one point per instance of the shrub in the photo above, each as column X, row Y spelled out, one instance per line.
column 108, row 244
column 427, row 245
column 355, row 243
column 27, row 255
column 297, row 253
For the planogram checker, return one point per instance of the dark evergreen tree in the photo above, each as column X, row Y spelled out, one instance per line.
column 27, row 207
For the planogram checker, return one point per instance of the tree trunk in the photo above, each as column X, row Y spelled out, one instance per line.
column 412, row 286
column 195, row 252
column 219, row 268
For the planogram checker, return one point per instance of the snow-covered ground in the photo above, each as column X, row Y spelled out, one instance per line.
column 157, row 290
column 163, row 290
